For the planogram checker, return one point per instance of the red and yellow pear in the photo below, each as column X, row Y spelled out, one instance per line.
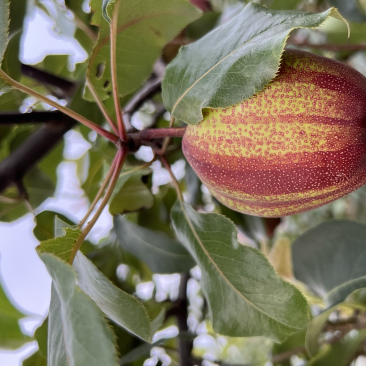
column 297, row 145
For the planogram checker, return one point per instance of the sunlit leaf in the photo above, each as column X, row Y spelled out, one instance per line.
column 144, row 28
column 233, row 62
column 245, row 295
column 329, row 259
column 161, row 253
column 121, row 307
column 77, row 332
column 61, row 246
column 280, row 257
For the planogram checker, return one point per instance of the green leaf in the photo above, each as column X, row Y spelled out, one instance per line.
column 37, row 359
column 17, row 14
column 340, row 353
column 77, row 332
column 41, row 335
column 61, row 246
column 144, row 28
column 161, row 253
column 329, row 259
column 313, row 331
column 133, row 196
column 245, row 296
column 233, row 62
column 11, row 336
column 124, row 309
column 4, row 29
column 44, row 228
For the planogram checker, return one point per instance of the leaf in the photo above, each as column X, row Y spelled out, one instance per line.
column 4, row 29
column 329, row 259
column 233, row 62
column 133, row 196
column 41, row 335
column 11, row 336
column 61, row 246
column 280, row 257
column 37, row 359
column 161, row 253
column 144, row 28
column 44, row 228
column 245, row 296
column 124, row 309
column 313, row 331
column 17, row 14
column 342, row 352
column 77, row 331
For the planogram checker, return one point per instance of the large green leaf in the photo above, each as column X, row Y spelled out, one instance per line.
column 11, row 336
column 233, row 62
column 144, row 28
column 77, row 332
column 245, row 296
column 4, row 29
column 330, row 259
column 121, row 307
column 161, row 253
column 340, row 353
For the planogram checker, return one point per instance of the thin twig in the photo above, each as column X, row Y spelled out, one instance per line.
column 102, row 107
column 117, row 103
column 167, row 139
column 99, row 194
column 120, row 159
column 67, row 111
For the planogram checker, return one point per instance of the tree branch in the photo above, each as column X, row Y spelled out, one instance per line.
column 37, row 146
column 67, row 87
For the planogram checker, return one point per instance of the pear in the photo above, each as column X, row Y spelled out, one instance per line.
column 298, row 144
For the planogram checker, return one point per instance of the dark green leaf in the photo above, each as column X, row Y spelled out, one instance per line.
column 233, row 62
column 144, row 28
column 4, row 24
column 11, row 63
column 161, row 253
column 41, row 335
column 329, row 259
column 11, row 336
column 17, row 14
column 133, row 196
column 37, row 359
column 245, row 296
column 44, row 229
column 121, row 307
column 61, row 246
column 77, row 332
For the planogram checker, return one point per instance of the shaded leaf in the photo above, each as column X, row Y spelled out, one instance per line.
column 45, row 227
column 313, row 331
column 41, row 335
column 17, row 14
column 133, row 196
column 121, row 307
column 161, row 253
column 11, row 336
column 233, row 62
column 244, row 294
column 144, row 28
column 77, row 331
column 37, row 359
column 4, row 25
column 340, row 353
column 329, row 259
column 61, row 246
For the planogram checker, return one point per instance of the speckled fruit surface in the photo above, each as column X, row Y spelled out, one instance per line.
column 297, row 145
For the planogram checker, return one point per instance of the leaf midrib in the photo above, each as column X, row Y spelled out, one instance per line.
column 222, row 274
